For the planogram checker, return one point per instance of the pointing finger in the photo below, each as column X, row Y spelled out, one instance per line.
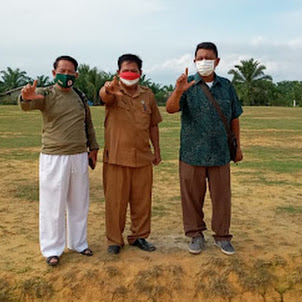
column 186, row 72
column 114, row 80
column 35, row 84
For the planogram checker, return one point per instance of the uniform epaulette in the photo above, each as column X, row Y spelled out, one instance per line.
column 146, row 88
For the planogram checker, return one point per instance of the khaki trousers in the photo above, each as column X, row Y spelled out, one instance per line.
column 123, row 185
column 193, row 190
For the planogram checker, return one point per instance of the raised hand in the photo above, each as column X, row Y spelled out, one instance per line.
column 112, row 87
column 28, row 92
column 182, row 84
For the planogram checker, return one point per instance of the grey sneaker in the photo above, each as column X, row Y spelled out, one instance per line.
column 225, row 246
column 196, row 245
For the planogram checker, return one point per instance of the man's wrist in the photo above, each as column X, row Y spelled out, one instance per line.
column 178, row 93
column 22, row 100
column 108, row 92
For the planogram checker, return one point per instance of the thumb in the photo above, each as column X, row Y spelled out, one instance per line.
column 191, row 83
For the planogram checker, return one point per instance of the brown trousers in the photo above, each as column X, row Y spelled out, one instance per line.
column 193, row 190
column 123, row 185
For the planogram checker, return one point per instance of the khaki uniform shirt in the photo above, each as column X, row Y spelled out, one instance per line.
column 127, row 123
column 63, row 122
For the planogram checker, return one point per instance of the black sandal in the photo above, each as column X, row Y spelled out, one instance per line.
column 53, row 263
column 87, row 252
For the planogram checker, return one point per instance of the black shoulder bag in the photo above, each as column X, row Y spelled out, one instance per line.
column 232, row 141
column 80, row 94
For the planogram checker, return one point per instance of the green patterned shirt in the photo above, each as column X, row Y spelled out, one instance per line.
column 203, row 138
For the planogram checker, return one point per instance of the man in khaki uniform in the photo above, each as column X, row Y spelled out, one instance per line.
column 64, row 182
column 131, row 122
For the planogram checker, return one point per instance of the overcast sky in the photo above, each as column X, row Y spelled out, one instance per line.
column 164, row 33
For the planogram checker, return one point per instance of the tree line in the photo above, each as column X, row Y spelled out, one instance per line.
column 253, row 86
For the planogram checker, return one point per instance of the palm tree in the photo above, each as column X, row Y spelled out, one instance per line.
column 90, row 81
column 248, row 78
column 43, row 81
column 144, row 81
column 169, row 88
column 13, row 78
column 94, row 83
column 1, row 86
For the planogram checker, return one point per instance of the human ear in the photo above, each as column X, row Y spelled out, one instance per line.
column 217, row 62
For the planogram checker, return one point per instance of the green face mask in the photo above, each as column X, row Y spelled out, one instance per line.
column 65, row 80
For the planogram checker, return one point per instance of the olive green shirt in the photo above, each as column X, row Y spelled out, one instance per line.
column 63, row 121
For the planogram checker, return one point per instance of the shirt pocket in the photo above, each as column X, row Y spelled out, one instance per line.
column 143, row 116
column 122, row 105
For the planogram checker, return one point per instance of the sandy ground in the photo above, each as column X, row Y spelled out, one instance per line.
column 267, row 265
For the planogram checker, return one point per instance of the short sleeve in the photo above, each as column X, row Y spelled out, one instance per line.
column 236, row 105
column 156, row 117
column 182, row 101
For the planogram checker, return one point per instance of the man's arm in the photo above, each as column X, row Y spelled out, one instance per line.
column 235, row 127
column 154, row 137
column 29, row 99
column 172, row 104
column 91, row 139
column 181, row 86
column 109, row 91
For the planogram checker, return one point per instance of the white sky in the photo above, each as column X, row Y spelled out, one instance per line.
column 163, row 33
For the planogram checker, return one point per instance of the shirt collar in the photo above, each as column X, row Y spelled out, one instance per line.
column 198, row 78
column 138, row 91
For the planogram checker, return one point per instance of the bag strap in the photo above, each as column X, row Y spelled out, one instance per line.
column 217, row 107
column 83, row 99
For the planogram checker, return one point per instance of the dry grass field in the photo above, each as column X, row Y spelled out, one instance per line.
column 266, row 223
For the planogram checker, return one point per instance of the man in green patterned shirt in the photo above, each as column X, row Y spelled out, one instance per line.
column 204, row 151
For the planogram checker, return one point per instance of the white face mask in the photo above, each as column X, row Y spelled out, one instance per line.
column 205, row 67
column 129, row 82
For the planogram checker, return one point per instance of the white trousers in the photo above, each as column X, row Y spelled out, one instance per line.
column 64, row 186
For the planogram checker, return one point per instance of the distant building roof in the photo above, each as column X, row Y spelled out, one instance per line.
column 8, row 92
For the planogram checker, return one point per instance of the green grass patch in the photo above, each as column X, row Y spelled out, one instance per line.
column 288, row 166
column 5, row 291
column 159, row 211
column 262, row 180
column 289, row 209
column 20, row 139
column 28, row 192
column 35, row 288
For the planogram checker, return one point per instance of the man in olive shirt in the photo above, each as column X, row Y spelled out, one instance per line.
column 131, row 121
column 204, row 152
column 64, row 182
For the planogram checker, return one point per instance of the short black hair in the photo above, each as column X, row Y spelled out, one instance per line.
column 67, row 58
column 129, row 58
column 207, row 45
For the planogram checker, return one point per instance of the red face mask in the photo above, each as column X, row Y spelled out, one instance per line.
column 129, row 78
